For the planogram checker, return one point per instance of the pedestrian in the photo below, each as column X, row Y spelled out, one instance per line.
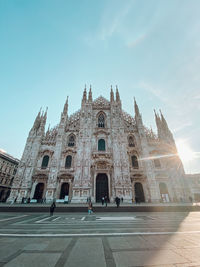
column 106, row 200
column 117, row 201
column 122, row 199
column 102, row 201
column 53, row 205
column 90, row 208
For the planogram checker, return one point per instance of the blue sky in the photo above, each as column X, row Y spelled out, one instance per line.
column 51, row 49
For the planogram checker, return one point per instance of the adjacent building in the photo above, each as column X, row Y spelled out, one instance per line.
column 100, row 151
column 8, row 168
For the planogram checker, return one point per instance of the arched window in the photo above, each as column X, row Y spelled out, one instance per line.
column 101, row 145
column 71, row 140
column 101, row 121
column 131, row 141
column 45, row 162
column 134, row 162
column 68, row 162
column 157, row 163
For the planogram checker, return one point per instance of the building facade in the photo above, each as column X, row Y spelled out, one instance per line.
column 8, row 168
column 194, row 184
column 100, row 151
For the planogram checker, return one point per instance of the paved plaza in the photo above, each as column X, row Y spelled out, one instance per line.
column 101, row 239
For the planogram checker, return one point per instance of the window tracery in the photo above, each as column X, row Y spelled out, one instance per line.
column 45, row 162
column 131, row 141
column 101, row 121
column 71, row 140
column 68, row 162
column 134, row 161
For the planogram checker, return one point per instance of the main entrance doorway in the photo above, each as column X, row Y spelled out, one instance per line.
column 164, row 192
column 39, row 191
column 139, row 193
column 64, row 190
column 101, row 186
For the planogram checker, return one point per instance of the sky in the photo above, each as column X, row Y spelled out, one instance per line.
column 50, row 49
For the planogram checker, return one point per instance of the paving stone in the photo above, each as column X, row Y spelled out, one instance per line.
column 147, row 258
column 192, row 254
column 127, row 242
column 88, row 252
column 58, row 244
column 159, row 241
column 36, row 246
column 178, row 241
column 34, row 260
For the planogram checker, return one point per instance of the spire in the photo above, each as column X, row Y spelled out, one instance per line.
column 90, row 94
column 65, row 110
column 117, row 95
column 164, row 123
column 111, row 95
column 137, row 112
column 84, row 99
column 37, row 121
column 45, row 114
column 157, row 119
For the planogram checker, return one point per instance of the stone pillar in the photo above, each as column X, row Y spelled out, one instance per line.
column 33, row 189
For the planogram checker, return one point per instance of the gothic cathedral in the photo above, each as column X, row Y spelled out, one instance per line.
column 100, row 151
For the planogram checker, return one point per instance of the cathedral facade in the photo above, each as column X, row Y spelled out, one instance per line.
column 100, row 151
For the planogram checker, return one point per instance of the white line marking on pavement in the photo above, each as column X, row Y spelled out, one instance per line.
column 83, row 218
column 43, row 220
column 116, row 218
column 100, row 234
column 56, row 219
column 12, row 218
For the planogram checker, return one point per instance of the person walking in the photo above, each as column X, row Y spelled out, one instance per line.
column 102, row 201
column 90, row 208
column 106, row 200
column 52, row 208
column 117, row 201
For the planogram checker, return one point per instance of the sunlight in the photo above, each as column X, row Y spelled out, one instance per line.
column 185, row 152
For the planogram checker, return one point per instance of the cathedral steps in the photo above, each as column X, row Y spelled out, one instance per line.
column 97, row 208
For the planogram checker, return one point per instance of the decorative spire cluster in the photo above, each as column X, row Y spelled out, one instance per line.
column 162, row 128
column 40, row 121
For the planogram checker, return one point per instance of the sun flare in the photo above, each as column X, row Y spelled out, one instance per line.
column 185, row 152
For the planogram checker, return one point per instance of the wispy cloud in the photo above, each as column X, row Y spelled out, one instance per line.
column 112, row 19
column 137, row 41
